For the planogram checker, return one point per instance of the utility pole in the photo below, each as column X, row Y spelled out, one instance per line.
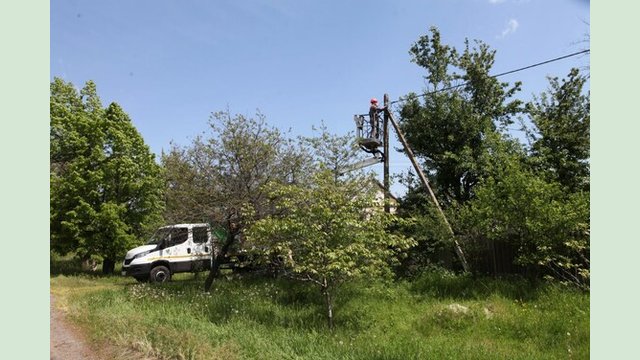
column 385, row 142
column 371, row 145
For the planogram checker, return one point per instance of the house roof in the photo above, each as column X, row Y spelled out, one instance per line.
column 381, row 186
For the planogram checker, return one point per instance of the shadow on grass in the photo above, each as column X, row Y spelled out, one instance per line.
column 276, row 302
column 70, row 265
column 442, row 286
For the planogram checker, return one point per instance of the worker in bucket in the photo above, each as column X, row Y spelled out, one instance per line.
column 373, row 117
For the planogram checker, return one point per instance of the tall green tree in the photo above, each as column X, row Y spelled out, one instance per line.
column 106, row 188
column 461, row 106
column 532, row 202
column 537, row 203
column 218, row 175
column 449, row 128
column 561, row 139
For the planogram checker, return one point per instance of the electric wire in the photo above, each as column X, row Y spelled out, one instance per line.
column 500, row 74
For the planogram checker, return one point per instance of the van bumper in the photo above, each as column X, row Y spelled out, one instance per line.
column 134, row 270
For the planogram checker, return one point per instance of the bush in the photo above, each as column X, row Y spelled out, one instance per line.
column 548, row 229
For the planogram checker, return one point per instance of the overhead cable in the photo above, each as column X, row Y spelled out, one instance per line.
column 502, row 74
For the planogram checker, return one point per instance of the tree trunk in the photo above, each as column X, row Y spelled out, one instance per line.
column 213, row 273
column 218, row 260
column 108, row 266
column 328, row 302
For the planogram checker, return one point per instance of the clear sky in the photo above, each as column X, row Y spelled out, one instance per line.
column 169, row 64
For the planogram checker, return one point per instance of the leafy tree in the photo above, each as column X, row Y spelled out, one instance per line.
column 539, row 204
column 327, row 233
column 561, row 119
column 448, row 128
column 493, row 189
column 218, row 175
column 548, row 227
column 105, row 184
column 74, row 140
column 327, row 151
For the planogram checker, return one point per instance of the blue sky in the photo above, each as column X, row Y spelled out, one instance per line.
column 170, row 63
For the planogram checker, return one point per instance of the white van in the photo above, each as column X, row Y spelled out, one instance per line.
column 171, row 249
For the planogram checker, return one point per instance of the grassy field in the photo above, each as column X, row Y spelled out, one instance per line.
column 263, row 318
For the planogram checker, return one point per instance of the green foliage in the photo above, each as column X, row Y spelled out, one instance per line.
column 539, row 204
column 561, row 118
column 548, row 227
column 220, row 173
column 443, row 284
column 333, row 231
column 327, row 151
column 327, row 233
column 453, row 130
column 448, row 128
column 106, row 188
column 224, row 171
column 533, row 204
column 434, row 248
column 328, row 228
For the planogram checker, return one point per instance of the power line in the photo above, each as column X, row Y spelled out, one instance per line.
column 502, row 74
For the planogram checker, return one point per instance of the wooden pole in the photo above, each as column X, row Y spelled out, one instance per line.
column 385, row 140
column 425, row 182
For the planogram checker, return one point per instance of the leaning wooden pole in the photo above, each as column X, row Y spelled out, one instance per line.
column 425, row 182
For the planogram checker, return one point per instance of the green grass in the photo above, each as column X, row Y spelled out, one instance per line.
column 262, row 318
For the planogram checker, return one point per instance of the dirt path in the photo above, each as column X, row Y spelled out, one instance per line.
column 66, row 341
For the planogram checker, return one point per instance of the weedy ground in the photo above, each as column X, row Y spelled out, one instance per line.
column 437, row 316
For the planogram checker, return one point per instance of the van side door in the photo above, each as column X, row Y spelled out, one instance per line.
column 177, row 249
column 201, row 258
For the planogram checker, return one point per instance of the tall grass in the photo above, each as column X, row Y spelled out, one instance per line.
column 262, row 318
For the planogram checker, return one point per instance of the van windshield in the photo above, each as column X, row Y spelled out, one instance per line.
column 159, row 236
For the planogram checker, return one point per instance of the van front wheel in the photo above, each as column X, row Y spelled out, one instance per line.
column 160, row 274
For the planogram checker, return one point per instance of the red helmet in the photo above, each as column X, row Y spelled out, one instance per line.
column 374, row 100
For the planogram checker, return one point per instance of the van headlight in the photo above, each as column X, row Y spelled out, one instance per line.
column 141, row 254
